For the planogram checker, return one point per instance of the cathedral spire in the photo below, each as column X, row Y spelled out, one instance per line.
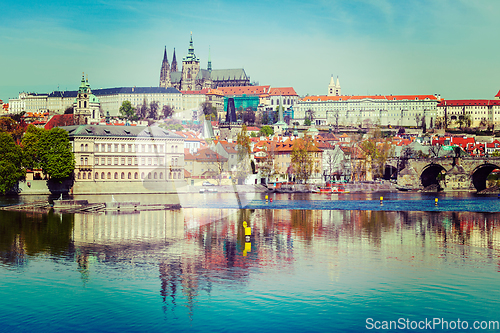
column 174, row 63
column 165, row 71
column 209, row 66
column 191, row 56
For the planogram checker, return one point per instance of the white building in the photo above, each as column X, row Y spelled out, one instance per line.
column 124, row 158
column 402, row 110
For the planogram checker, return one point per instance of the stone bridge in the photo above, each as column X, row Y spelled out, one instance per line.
column 447, row 173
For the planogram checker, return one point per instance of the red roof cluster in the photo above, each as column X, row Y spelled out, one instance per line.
column 244, row 90
column 468, row 102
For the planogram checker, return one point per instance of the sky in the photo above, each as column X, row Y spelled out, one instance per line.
column 446, row 47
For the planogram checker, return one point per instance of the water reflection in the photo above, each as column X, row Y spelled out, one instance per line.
column 192, row 251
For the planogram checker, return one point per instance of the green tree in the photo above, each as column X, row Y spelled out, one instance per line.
column 244, row 149
column 29, row 145
column 10, row 163
column 266, row 131
column 167, row 111
column 302, row 158
column 307, row 122
column 128, row 111
column 153, row 110
column 55, row 153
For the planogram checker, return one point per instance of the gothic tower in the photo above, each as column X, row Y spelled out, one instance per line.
column 165, row 72
column 174, row 63
column 190, row 68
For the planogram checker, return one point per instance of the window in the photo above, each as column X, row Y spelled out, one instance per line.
column 116, row 175
column 116, row 147
column 96, row 176
column 161, row 175
column 129, row 148
column 79, row 176
column 136, row 175
column 135, row 161
column 103, row 161
column 97, row 161
column 142, row 175
column 102, row 175
column 143, row 161
column 86, row 161
column 116, row 160
column 109, row 175
column 129, row 175
column 155, row 176
column 130, row 161
column 123, row 175
column 123, row 148
column 90, row 176
column 81, row 160
column 149, row 161
column 109, row 147
column 149, row 175
column 81, row 147
column 123, row 160
column 86, row 147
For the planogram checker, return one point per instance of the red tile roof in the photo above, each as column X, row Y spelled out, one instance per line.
column 247, row 90
column 498, row 94
column 468, row 102
column 60, row 120
column 289, row 91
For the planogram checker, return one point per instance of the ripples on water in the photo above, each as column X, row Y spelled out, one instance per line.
column 307, row 270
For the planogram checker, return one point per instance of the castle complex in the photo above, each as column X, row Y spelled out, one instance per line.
column 192, row 77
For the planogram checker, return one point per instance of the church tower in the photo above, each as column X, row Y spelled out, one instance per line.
column 334, row 88
column 165, row 72
column 174, row 63
column 86, row 105
column 190, row 68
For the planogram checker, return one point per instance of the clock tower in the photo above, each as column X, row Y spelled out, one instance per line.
column 86, row 106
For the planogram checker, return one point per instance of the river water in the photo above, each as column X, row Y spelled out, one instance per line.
column 314, row 263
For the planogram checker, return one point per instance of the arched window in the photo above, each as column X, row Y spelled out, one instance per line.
column 142, row 175
column 136, row 175
column 102, row 175
column 155, row 176
column 109, row 175
column 149, row 175
column 81, row 147
column 179, row 176
column 174, row 175
column 176, row 161
column 90, row 176
column 81, row 160
column 79, row 175
column 271, row 102
column 86, row 147
column 161, row 175
column 123, row 175
column 129, row 175
column 116, row 175
column 96, row 176
column 84, row 175
column 86, row 161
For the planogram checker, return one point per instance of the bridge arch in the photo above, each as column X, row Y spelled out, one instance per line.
column 430, row 173
column 481, row 173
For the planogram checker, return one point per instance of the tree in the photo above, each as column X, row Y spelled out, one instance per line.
column 128, row 111
column 307, row 122
column 29, row 145
column 56, row 157
column 153, row 110
column 10, row 163
column 167, row 111
column 266, row 131
column 142, row 109
column 302, row 158
column 244, row 149
column 69, row 110
column 267, row 167
column 208, row 111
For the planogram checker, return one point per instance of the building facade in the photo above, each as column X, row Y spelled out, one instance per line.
column 401, row 110
column 129, row 159
column 470, row 112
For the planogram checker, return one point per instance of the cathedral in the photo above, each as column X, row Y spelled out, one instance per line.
column 192, row 77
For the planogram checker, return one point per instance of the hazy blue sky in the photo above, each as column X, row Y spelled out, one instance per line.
column 375, row 47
